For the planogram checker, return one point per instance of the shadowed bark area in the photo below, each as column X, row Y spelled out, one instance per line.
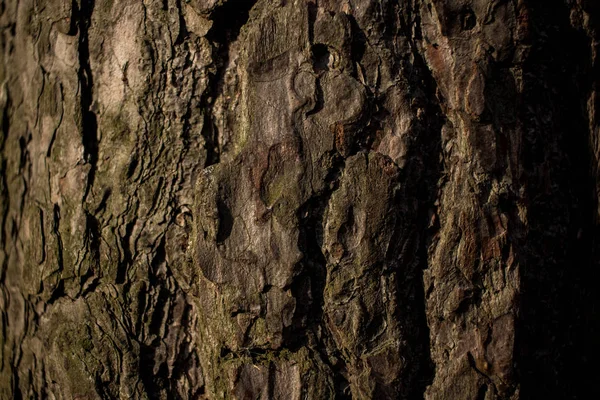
column 299, row 199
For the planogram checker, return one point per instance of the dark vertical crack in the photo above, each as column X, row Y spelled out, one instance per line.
column 55, row 130
column 183, row 32
column 151, row 384
column 42, row 237
column 557, row 329
column 185, row 361
column 308, row 286
column 168, row 305
column 90, row 280
column 482, row 392
column 56, row 226
column 271, row 381
column 320, row 59
column 358, row 45
column 210, row 135
column 59, row 290
column 228, row 20
column 313, row 9
column 420, row 177
column 18, row 395
column 124, row 264
column 4, row 195
column 225, row 221
column 89, row 124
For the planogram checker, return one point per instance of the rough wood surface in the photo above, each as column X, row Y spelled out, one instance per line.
column 291, row 199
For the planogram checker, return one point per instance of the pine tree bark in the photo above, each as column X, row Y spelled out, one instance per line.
column 299, row 199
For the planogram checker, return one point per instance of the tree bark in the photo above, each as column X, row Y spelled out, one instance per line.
column 299, row 199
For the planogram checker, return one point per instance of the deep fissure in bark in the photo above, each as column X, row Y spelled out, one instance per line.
column 228, row 19
column 309, row 284
column 421, row 178
column 558, row 321
column 89, row 124
column 58, row 291
column 156, row 381
column 127, row 257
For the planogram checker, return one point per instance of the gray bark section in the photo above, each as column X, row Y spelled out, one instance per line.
column 299, row 199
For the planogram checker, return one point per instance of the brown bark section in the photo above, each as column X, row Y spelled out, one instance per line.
column 299, row 199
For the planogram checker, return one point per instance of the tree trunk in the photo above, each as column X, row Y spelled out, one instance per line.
column 299, row 199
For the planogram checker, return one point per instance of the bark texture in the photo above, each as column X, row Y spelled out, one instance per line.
column 292, row 199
